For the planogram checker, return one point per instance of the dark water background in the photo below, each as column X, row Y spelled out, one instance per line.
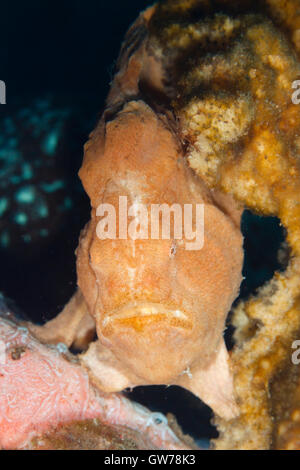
column 57, row 59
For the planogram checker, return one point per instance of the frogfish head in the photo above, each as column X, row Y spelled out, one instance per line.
column 159, row 299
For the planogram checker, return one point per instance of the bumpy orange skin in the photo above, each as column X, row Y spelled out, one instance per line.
column 157, row 305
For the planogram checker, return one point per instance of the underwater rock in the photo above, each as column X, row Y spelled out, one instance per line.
column 285, row 393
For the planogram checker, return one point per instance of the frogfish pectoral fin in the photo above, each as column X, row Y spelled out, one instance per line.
column 105, row 370
column 213, row 385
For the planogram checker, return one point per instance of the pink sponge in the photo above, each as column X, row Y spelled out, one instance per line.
column 42, row 388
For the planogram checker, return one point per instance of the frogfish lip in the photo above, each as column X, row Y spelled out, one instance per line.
column 141, row 315
column 155, row 341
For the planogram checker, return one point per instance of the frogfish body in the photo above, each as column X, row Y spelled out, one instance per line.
column 159, row 305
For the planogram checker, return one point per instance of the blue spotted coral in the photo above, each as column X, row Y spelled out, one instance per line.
column 34, row 187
